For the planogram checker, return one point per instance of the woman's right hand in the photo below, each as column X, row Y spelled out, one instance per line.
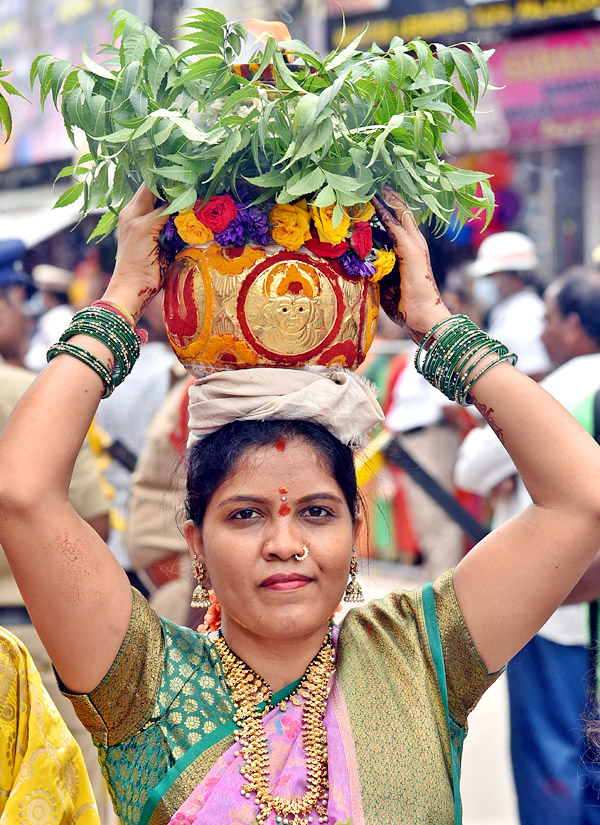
column 136, row 278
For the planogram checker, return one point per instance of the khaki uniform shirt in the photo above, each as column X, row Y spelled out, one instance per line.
column 85, row 492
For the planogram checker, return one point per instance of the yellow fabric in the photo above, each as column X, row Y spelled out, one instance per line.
column 43, row 780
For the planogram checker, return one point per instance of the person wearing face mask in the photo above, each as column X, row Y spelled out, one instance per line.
column 503, row 276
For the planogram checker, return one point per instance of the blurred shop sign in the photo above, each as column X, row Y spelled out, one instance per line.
column 61, row 28
column 549, row 94
column 453, row 20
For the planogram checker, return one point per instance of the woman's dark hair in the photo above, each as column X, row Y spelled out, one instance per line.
column 214, row 458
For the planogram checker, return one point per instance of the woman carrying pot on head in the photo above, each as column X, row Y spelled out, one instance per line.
column 279, row 718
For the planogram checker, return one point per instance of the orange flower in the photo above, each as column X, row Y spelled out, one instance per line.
column 228, row 262
column 291, row 225
column 361, row 212
column 212, row 617
column 323, row 218
column 384, row 262
column 191, row 230
column 227, row 351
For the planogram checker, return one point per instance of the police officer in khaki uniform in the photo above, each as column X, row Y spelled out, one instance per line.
column 85, row 493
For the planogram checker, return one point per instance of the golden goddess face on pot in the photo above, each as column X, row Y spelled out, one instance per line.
column 250, row 536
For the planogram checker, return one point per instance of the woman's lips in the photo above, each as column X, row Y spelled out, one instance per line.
column 285, row 581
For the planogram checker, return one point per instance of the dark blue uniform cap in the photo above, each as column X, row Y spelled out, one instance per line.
column 11, row 252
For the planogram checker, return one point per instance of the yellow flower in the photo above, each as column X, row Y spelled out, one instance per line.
column 291, row 225
column 361, row 212
column 323, row 218
column 191, row 230
column 384, row 262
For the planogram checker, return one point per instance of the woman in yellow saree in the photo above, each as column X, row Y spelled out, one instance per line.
column 277, row 719
column 43, row 780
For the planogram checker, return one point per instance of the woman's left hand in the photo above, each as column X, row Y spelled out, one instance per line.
column 413, row 300
column 137, row 278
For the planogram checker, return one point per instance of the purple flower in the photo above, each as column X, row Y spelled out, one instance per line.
column 169, row 238
column 234, row 234
column 257, row 224
column 242, row 196
column 354, row 266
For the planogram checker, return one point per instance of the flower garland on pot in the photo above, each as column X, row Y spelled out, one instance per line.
column 232, row 221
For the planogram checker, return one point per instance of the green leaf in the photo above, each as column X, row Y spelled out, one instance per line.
column 9, row 88
column 284, row 73
column 184, row 201
column 70, row 196
column 406, row 67
column 95, row 68
column 158, row 69
column 230, row 146
column 104, row 227
column 248, row 92
column 424, row 55
column 341, row 57
column 467, row 72
column 130, row 77
column 462, row 109
column 305, row 182
column 305, row 114
column 272, row 178
column 5, row 117
column 325, row 197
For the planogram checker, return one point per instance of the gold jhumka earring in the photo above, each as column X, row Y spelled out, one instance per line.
column 353, row 589
column 200, row 597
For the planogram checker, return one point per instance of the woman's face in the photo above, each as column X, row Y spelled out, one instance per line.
column 250, row 536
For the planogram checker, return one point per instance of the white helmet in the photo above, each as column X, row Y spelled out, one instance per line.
column 504, row 252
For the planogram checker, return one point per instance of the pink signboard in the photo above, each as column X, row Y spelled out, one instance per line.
column 551, row 88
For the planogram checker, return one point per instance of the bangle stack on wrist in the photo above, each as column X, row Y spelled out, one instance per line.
column 457, row 348
column 111, row 329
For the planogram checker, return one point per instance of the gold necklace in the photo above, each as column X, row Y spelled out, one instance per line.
column 248, row 690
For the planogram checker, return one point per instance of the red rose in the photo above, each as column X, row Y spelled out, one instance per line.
column 326, row 250
column 217, row 213
column 362, row 239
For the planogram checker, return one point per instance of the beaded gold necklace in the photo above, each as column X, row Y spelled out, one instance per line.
column 248, row 690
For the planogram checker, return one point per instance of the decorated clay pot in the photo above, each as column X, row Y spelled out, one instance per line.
column 228, row 308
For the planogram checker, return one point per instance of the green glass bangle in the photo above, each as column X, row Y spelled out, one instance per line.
column 88, row 359
column 490, row 347
column 511, row 357
column 452, row 374
column 112, row 331
column 453, row 319
column 125, row 355
column 449, row 370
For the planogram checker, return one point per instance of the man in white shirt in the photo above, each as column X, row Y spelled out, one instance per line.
column 557, row 778
column 507, row 262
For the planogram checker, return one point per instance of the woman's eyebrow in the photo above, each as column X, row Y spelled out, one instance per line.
column 232, row 499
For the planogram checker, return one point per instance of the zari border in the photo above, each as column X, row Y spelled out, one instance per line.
column 178, row 783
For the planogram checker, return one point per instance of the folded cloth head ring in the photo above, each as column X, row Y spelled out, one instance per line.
column 338, row 399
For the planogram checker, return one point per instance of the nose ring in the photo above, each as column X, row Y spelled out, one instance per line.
column 305, row 547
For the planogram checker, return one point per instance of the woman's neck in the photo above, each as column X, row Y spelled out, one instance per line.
column 279, row 662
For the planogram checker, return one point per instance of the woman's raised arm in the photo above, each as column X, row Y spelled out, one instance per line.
column 77, row 594
column 514, row 579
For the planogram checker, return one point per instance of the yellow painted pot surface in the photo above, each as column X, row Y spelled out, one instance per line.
column 230, row 309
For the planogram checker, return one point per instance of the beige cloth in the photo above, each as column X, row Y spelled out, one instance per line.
column 342, row 401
